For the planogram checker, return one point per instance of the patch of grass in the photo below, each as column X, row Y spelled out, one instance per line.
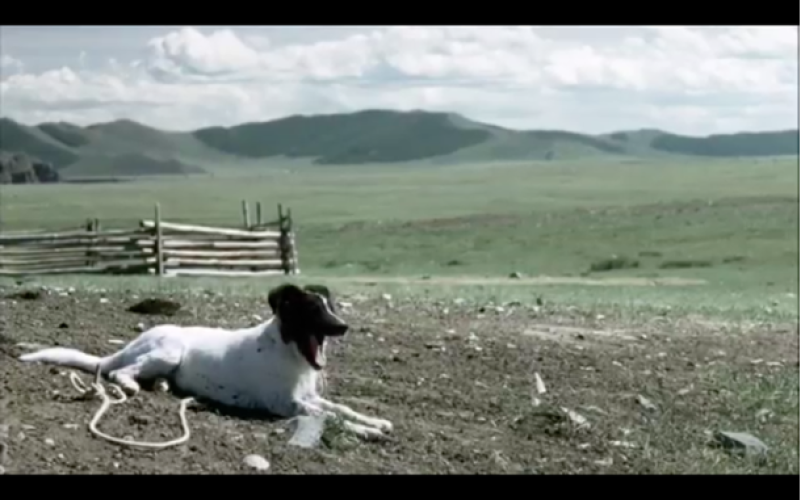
column 685, row 264
column 614, row 263
column 649, row 253
column 763, row 403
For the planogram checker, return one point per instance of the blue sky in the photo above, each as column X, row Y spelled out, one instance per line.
column 690, row 80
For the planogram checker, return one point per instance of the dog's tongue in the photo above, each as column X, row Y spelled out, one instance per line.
column 316, row 353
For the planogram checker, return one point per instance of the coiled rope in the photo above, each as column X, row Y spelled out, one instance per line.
column 96, row 389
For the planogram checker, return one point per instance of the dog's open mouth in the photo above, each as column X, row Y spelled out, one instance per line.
column 312, row 350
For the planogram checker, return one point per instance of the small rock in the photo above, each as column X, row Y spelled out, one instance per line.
column 539, row 301
column 764, row 415
column 103, row 300
column 49, row 442
column 623, row 444
column 499, row 309
column 63, row 326
column 345, row 305
column 71, row 427
column 458, row 301
column 5, row 431
column 741, row 442
column 140, row 327
column 516, row 275
column 539, row 384
column 258, row 318
column 116, row 341
column 386, row 297
column 646, row 403
column 580, row 421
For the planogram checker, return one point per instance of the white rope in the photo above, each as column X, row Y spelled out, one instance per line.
column 97, row 389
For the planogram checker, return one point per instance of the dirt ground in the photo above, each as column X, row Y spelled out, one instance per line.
column 457, row 380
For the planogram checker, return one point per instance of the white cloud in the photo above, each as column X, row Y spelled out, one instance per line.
column 9, row 65
column 687, row 80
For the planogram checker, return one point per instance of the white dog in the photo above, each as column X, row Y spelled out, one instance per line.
column 271, row 367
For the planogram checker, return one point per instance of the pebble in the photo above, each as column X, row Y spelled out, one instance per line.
column 741, row 442
column 104, row 300
column 764, row 415
column 49, row 442
column 646, row 403
column 257, row 462
column 578, row 419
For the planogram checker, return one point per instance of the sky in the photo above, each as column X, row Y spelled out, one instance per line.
column 688, row 80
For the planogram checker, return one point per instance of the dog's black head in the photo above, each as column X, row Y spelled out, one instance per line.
column 307, row 317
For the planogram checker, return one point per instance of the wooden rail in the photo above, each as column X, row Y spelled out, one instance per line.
column 156, row 247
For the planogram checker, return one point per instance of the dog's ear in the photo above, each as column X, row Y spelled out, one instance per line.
column 324, row 291
column 319, row 289
column 283, row 294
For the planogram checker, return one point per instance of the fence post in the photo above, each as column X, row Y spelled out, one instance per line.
column 159, row 243
column 245, row 214
column 258, row 213
column 283, row 241
column 293, row 247
column 89, row 230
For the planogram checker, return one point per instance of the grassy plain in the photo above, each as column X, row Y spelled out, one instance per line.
column 432, row 235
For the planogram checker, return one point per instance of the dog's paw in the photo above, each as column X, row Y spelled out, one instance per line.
column 383, row 425
column 161, row 385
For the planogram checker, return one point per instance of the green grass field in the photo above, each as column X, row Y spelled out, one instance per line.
column 731, row 223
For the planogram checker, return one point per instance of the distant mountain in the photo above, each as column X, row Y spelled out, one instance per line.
column 126, row 148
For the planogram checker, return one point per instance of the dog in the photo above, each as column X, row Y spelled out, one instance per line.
column 272, row 367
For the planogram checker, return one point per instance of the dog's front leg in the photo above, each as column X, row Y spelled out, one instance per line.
column 348, row 413
column 314, row 408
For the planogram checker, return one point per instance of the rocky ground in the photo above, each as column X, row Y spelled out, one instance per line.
column 458, row 380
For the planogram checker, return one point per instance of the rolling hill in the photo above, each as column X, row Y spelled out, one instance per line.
column 125, row 148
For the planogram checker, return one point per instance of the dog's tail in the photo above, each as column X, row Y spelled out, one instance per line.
column 64, row 356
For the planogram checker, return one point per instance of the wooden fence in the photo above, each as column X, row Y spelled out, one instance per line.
column 156, row 247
